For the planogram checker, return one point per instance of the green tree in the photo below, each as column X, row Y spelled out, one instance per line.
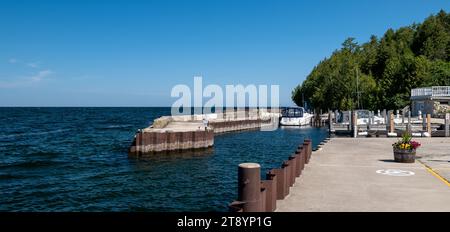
column 381, row 73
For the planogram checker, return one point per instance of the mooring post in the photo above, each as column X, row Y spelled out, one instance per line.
column 349, row 127
column 330, row 122
column 424, row 123
column 373, row 117
column 429, row 124
column 305, row 149
column 447, row 124
column 272, row 193
column 391, row 122
column 403, row 117
column 280, row 174
column 298, row 153
column 310, row 145
column 249, row 186
column 320, row 119
column 262, row 197
column 301, row 154
column 293, row 165
column 354, row 123
column 287, row 175
column 409, row 129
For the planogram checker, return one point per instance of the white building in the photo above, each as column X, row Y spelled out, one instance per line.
column 433, row 100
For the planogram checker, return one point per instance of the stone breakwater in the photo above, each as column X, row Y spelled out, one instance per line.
column 187, row 132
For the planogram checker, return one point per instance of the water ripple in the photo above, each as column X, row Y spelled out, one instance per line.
column 75, row 159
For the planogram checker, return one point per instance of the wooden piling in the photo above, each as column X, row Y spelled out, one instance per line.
column 447, row 125
column 272, row 193
column 354, row 123
column 409, row 128
column 391, row 123
column 424, row 123
column 330, row 122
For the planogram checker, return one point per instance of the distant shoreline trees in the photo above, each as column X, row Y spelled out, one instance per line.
column 380, row 73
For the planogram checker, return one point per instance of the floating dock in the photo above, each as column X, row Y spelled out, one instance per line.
column 188, row 132
column 390, row 125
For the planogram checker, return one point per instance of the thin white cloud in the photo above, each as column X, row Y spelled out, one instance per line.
column 12, row 60
column 27, row 81
column 41, row 75
column 33, row 65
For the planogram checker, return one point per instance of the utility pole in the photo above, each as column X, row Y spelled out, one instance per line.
column 357, row 88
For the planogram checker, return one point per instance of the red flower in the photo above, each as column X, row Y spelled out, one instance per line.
column 415, row 144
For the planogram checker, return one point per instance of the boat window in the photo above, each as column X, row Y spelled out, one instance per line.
column 293, row 112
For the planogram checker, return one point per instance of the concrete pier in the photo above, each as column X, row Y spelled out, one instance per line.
column 187, row 132
column 358, row 174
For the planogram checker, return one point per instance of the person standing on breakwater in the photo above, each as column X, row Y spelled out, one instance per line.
column 205, row 123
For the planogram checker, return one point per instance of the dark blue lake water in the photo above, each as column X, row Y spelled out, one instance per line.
column 75, row 159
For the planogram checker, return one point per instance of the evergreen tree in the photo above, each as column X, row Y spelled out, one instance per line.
column 380, row 74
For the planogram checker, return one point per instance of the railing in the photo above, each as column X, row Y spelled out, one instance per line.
column 435, row 91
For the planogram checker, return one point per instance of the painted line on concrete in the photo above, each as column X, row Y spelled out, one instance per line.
column 430, row 170
column 358, row 166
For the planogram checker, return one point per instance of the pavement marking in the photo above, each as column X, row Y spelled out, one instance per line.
column 435, row 174
column 395, row 172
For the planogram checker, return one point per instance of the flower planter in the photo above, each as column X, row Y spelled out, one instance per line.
column 404, row 155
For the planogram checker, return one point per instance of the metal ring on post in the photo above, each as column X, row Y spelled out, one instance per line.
column 236, row 206
column 272, row 181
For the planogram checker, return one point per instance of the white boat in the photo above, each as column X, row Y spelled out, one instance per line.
column 363, row 118
column 295, row 116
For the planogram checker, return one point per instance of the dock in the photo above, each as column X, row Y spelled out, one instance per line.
column 349, row 124
column 359, row 174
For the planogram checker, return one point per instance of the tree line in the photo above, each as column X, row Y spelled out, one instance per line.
column 380, row 73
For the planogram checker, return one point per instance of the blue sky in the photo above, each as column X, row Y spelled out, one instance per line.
column 131, row 53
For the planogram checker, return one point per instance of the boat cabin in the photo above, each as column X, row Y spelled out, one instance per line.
column 293, row 112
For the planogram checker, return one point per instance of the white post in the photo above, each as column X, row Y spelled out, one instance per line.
column 355, row 124
column 408, row 129
column 447, row 125
column 403, row 117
